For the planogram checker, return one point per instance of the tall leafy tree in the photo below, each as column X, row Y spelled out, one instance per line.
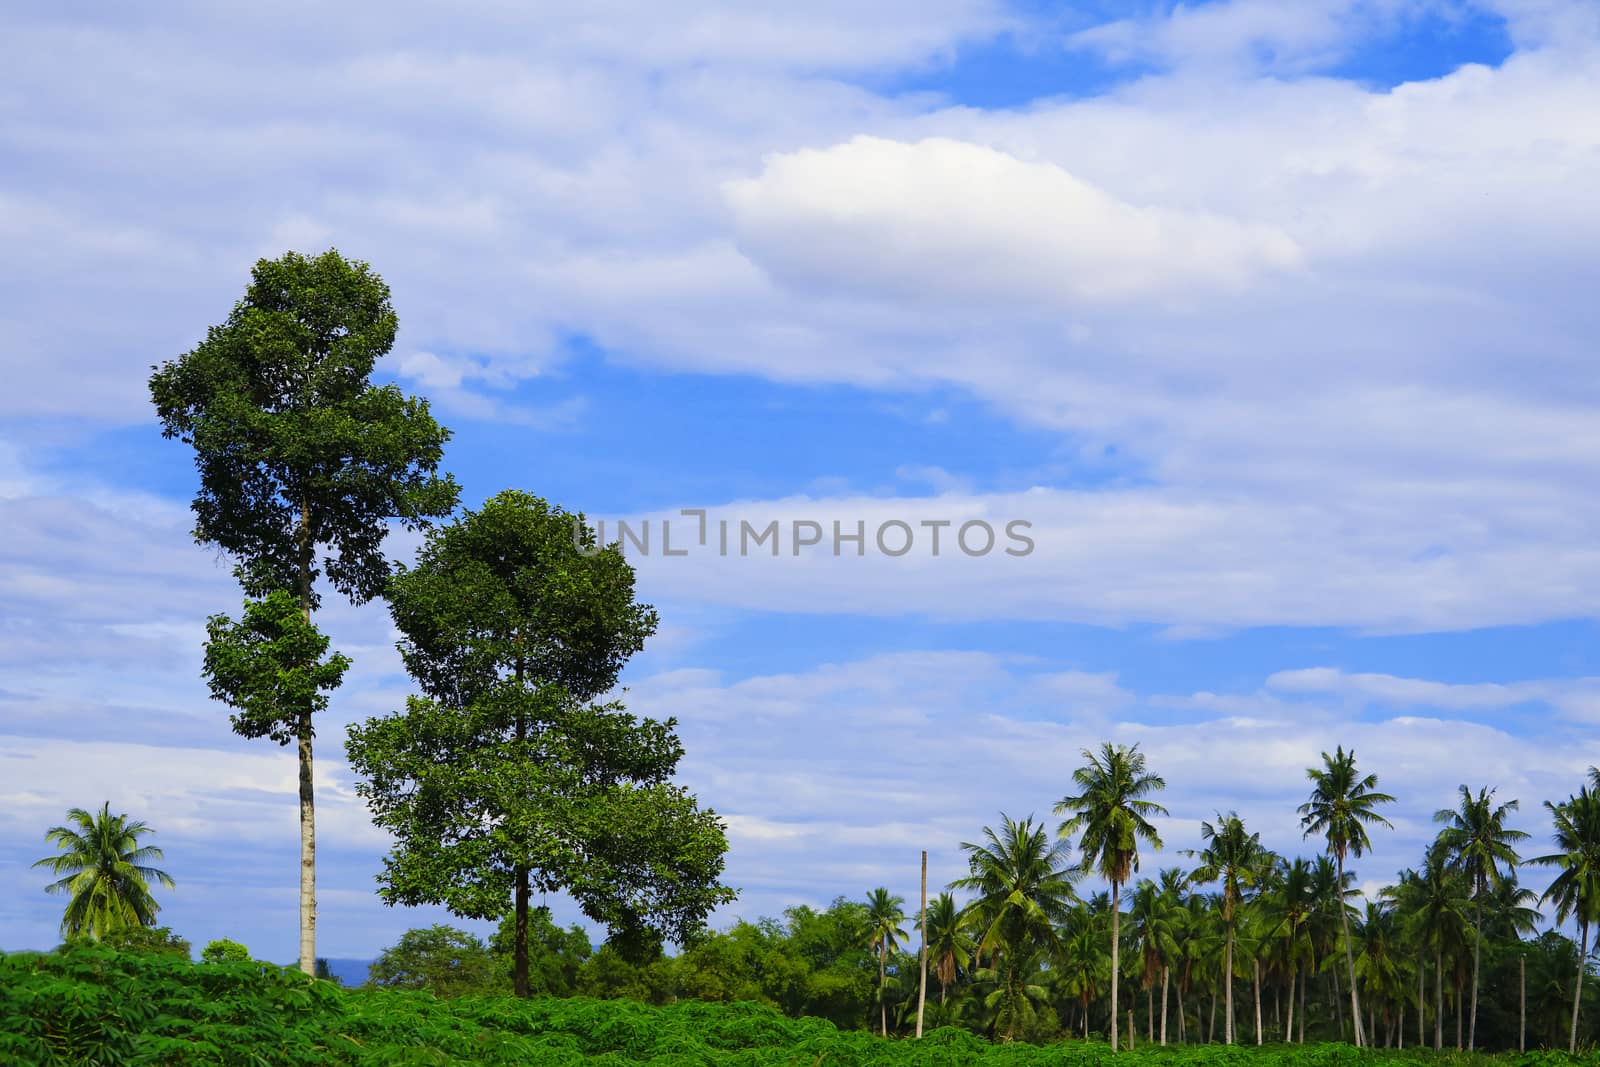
column 503, row 776
column 1342, row 805
column 300, row 456
column 1575, row 890
column 1112, row 814
column 1152, row 929
column 1483, row 848
column 1022, row 883
column 105, row 872
column 1235, row 858
column 885, row 913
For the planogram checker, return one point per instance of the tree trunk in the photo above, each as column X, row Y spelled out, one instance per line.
column 1400, row 1027
column 1211, row 1026
column 1164, row 975
column 1477, row 952
column 1522, row 1001
column 308, row 812
column 1577, row 988
column 1288, row 1031
column 1461, row 1011
column 922, row 981
column 1258, row 999
column 1183, row 1029
column 1438, row 1001
column 308, row 854
column 1422, row 999
column 1349, row 958
column 519, row 940
column 1116, row 969
column 1227, row 1020
column 1305, row 981
column 883, row 973
column 1338, row 999
column 1130, row 1029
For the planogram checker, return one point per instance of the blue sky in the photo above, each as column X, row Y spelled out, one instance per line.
column 1272, row 320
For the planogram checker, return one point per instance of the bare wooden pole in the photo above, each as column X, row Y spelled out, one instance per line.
column 922, row 984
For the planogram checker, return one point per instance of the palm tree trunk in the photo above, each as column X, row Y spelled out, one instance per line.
column 1522, row 999
column 1422, row 1011
column 1461, row 1011
column 1211, row 1027
column 1349, row 956
column 1577, row 988
column 1338, row 999
column 1400, row 1027
column 1288, row 1031
column 1116, row 970
column 884, row 1008
column 922, row 956
column 1257, row 964
column 1477, row 952
column 1304, row 982
column 1227, row 1020
column 1150, row 1013
column 1438, row 1001
column 1183, row 1029
column 1164, row 976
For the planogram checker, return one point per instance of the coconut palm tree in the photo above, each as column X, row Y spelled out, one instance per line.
column 1342, row 805
column 1576, row 890
column 1481, row 847
column 1112, row 816
column 885, row 913
column 950, row 943
column 1234, row 857
column 1080, row 966
column 1022, row 882
column 105, row 872
column 1291, row 905
column 1153, row 926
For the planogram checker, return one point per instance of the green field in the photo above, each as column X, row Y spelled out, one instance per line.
column 92, row 1005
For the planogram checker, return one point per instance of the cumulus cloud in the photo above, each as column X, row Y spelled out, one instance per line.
column 942, row 219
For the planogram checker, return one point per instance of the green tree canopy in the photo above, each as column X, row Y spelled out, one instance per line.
column 223, row 950
column 502, row 778
column 445, row 961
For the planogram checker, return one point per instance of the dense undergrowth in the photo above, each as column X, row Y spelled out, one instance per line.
column 93, row 1005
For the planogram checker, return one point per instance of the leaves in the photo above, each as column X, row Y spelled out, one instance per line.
column 272, row 666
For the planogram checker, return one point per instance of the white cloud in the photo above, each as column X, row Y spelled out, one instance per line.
column 941, row 219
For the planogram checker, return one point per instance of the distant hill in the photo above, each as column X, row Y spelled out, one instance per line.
column 349, row 972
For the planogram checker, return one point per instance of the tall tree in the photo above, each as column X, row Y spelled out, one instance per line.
column 1112, row 815
column 1235, row 858
column 885, row 913
column 503, row 777
column 1575, row 891
column 1153, row 923
column 104, row 871
column 1483, row 848
column 299, row 453
column 1342, row 805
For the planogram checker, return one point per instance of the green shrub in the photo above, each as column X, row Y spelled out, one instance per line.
column 91, row 1004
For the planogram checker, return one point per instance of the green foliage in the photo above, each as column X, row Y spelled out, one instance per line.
column 88, row 1004
column 501, row 779
column 295, row 447
column 105, row 872
column 148, row 939
column 440, row 959
column 270, row 666
column 223, row 950
column 555, row 955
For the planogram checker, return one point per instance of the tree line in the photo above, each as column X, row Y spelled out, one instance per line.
column 1242, row 944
